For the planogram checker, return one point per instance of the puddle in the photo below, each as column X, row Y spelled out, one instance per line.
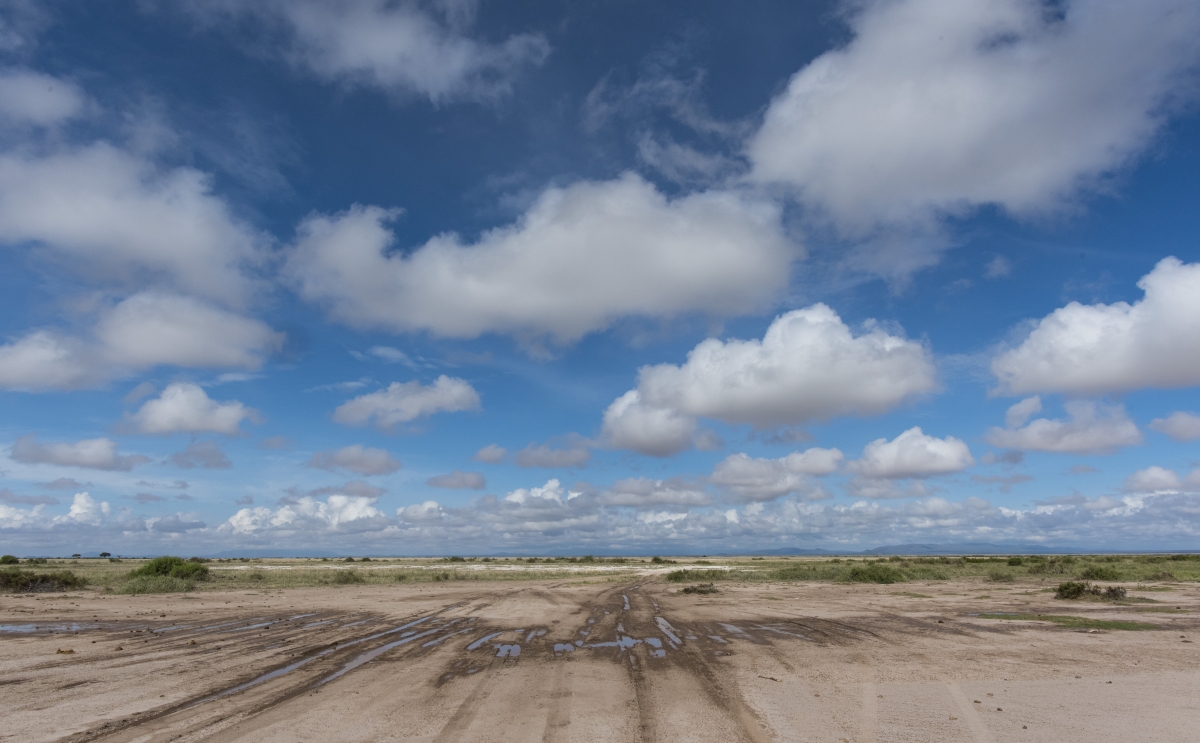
column 318, row 624
column 626, row 601
column 718, row 639
column 444, row 637
column 508, row 651
column 668, row 630
column 475, row 645
column 371, row 655
column 533, row 634
column 563, row 647
column 301, row 616
column 172, row 627
column 27, row 628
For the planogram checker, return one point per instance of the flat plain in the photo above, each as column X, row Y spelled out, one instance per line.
column 599, row 652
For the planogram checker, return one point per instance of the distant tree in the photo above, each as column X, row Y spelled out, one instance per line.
column 106, row 554
column 76, row 556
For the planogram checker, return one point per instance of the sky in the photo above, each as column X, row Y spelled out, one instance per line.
column 534, row 277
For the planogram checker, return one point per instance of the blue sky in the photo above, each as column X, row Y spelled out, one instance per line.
column 474, row 277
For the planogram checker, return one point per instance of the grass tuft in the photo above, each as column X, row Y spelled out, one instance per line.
column 874, row 573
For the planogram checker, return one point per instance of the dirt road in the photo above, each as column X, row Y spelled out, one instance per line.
column 636, row 661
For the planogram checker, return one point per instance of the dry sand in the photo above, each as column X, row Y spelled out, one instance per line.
column 787, row 662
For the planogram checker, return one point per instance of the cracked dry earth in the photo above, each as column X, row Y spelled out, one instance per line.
column 554, row 661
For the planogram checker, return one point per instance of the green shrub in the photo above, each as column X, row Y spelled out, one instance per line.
column 8, row 560
column 156, row 584
column 701, row 588
column 874, row 573
column 1100, row 572
column 1073, row 590
column 18, row 581
column 456, row 558
column 36, row 561
column 1016, row 561
column 175, row 567
column 687, row 576
column 1076, row 590
column 997, row 575
column 257, row 575
column 346, row 577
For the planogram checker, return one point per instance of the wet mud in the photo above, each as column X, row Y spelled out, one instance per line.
column 635, row 661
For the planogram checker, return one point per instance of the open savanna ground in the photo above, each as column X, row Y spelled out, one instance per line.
column 593, row 650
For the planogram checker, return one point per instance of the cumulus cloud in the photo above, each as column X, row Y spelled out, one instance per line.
column 97, row 454
column 933, row 108
column 1152, row 479
column 113, row 216
column 1104, row 348
column 420, row 512
column 357, row 458
column 140, row 332
column 403, row 403
column 401, row 48
column 1180, row 426
column 186, row 408
column 913, row 454
column 204, row 454
column 641, row 492
column 808, row 366
column 175, row 524
column 337, row 512
column 581, row 258
column 458, row 480
column 1091, row 428
column 28, row 97
column 151, row 328
column 574, row 454
column 749, row 480
column 492, row 454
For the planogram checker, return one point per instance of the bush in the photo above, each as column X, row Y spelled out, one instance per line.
column 37, row 561
column 661, row 561
column 456, row 558
column 701, row 588
column 18, row 581
column 685, row 576
column 174, row 567
column 1016, row 561
column 1100, row 572
column 156, row 584
column 1073, row 590
column 8, row 560
column 1076, row 590
column 997, row 575
column 874, row 573
column 346, row 577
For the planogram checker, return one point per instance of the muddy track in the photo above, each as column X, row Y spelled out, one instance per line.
column 637, row 661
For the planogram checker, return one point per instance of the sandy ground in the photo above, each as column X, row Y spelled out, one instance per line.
column 563, row 661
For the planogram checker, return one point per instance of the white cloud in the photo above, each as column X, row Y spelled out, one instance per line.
column 398, row 47
column 84, row 510
column 997, row 268
column 458, row 480
column 28, row 97
column 43, row 360
column 1180, row 426
column 1091, row 429
column 574, row 454
column 746, row 479
column 1103, row 348
column 552, row 491
column 153, row 328
column 581, row 258
column 112, row 216
column 305, row 515
column 97, row 454
column 808, row 366
column 204, row 454
column 140, row 332
column 492, row 454
column 420, row 512
column 185, row 408
column 356, row 458
column 913, row 454
column 1153, row 479
column 641, row 492
column 936, row 107
column 403, row 403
